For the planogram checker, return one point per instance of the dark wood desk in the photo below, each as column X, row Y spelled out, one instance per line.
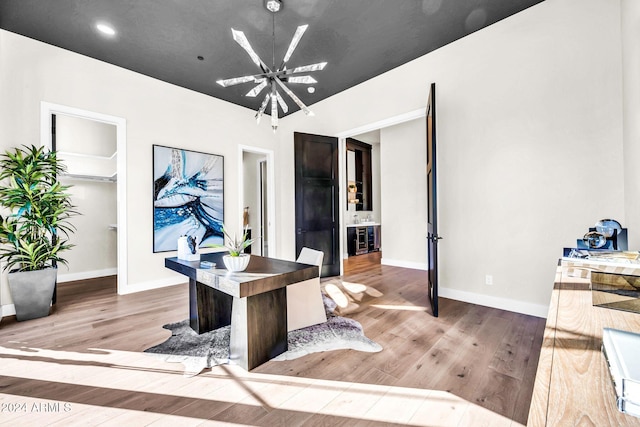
column 253, row 302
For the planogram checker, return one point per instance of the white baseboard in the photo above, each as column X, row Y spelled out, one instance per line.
column 404, row 264
column 131, row 288
column 84, row 275
column 8, row 310
column 153, row 284
column 507, row 304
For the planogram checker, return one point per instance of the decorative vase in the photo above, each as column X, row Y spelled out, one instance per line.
column 236, row 263
column 32, row 292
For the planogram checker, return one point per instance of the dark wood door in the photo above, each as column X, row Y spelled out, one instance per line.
column 317, row 215
column 432, row 201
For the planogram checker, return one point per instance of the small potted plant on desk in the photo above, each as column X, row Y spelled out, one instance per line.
column 237, row 260
column 35, row 229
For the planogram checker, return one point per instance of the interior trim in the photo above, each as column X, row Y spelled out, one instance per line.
column 391, row 121
column 342, row 160
column 537, row 310
column 271, row 195
column 46, row 110
column 84, row 275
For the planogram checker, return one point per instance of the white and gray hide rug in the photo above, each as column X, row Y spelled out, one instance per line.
column 197, row 352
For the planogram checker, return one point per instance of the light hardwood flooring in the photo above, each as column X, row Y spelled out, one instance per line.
column 84, row 365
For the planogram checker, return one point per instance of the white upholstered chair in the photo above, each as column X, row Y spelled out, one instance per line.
column 304, row 300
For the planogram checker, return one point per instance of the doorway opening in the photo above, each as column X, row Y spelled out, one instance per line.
column 263, row 202
column 369, row 133
column 363, row 208
column 257, row 198
column 67, row 130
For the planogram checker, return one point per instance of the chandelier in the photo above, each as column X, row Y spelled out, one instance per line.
column 275, row 79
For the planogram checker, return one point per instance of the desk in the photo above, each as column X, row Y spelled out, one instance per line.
column 253, row 302
column 572, row 385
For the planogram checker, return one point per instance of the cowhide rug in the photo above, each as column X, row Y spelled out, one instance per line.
column 197, row 352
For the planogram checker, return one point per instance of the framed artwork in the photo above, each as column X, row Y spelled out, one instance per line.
column 188, row 197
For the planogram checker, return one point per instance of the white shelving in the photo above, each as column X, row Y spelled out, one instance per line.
column 81, row 166
column 100, row 178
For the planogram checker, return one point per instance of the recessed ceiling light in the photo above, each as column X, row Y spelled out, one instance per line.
column 106, row 29
column 311, row 89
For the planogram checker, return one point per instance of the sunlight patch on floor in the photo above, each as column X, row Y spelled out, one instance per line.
column 337, row 295
column 356, row 288
column 130, row 388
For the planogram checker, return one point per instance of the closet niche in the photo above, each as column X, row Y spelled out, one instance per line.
column 88, row 150
column 359, row 184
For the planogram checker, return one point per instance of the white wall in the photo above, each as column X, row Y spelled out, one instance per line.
column 95, row 251
column 530, row 145
column 156, row 113
column 403, row 192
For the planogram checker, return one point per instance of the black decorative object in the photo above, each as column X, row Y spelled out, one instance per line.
column 595, row 240
column 607, row 234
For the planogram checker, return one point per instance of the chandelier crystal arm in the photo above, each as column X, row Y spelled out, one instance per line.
column 308, row 68
column 241, row 39
column 307, row 80
column 238, row 80
column 283, row 105
column 256, row 90
column 293, row 96
column 274, row 106
column 262, row 108
column 294, row 43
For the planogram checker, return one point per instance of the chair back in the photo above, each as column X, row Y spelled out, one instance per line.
column 310, row 256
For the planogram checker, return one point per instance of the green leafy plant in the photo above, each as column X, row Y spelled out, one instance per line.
column 237, row 246
column 37, row 227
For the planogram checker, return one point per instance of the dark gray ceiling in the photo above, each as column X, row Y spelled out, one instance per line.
column 360, row 39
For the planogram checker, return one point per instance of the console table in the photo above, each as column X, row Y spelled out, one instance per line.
column 253, row 302
column 572, row 385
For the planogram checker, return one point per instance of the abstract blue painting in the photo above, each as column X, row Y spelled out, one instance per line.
column 188, row 197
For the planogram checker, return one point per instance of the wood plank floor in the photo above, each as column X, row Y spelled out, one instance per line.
column 83, row 364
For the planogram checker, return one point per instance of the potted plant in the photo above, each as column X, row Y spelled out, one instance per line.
column 36, row 227
column 237, row 260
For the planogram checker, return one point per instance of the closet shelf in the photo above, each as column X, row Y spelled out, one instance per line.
column 112, row 178
column 87, row 156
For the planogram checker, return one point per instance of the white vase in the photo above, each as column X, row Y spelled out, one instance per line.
column 236, row 263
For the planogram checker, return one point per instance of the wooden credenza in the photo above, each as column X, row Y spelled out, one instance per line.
column 572, row 385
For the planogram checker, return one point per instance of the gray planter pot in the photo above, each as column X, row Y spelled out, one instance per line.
column 32, row 292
